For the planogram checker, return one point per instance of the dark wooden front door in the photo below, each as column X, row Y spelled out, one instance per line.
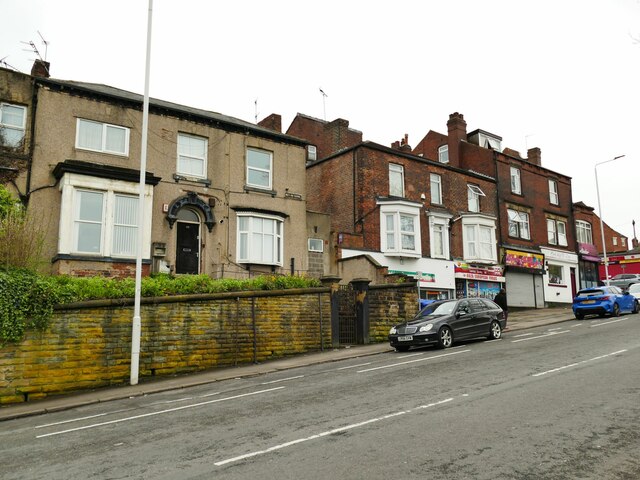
column 188, row 251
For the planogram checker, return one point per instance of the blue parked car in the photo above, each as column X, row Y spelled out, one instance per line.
column 603, row 301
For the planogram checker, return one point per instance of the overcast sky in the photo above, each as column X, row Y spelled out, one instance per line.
column 562, row 75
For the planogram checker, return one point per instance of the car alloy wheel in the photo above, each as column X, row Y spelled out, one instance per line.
column 636, row 307
column 579, row 315
column 445, row 337
column 496, row 330
column 616, row 310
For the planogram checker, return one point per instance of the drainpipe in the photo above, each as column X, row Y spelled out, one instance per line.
column 24, row 198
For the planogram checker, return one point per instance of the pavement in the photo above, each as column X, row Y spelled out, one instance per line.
column 518, row 320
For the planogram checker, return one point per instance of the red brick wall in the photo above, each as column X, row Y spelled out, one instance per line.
column 335, row 194
column 328, row 137
column 588, row 215
column 330, row 190
column 534, row 182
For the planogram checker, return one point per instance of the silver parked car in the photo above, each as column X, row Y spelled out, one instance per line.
column 624, row 280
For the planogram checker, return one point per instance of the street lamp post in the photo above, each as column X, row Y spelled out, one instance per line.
column 604, row 246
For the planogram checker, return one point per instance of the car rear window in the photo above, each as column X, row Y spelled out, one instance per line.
column 590, row 293
column 489, row 304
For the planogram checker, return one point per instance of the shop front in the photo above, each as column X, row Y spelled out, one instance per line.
column 588, row 262
column 478, row 280
column 560, row 276
column 621, row 264
column 524, row 271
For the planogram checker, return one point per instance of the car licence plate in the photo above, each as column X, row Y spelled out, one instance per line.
column 588, row 301
column 406, row 338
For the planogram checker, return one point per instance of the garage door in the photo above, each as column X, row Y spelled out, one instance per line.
column 524, row 290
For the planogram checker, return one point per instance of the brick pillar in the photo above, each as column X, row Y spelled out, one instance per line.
column 361, row 288
column 333, row 282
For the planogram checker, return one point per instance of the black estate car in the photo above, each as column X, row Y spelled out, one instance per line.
column 445, row 321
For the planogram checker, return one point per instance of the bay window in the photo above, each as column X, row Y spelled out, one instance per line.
column 479, row 238
column 260, row 239
column 400, row 228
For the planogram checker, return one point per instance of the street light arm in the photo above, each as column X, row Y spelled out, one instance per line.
column 607, row 161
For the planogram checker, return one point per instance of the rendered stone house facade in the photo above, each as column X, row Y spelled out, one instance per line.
column 535, row 220
column 223, row 197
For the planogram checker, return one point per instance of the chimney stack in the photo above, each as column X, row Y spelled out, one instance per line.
column 338, row 134
column 272, row 122
column 534, row 156
column 40, row 69
column 403, row 144
column 457, row 130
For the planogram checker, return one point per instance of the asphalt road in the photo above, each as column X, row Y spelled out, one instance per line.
column 547, row 403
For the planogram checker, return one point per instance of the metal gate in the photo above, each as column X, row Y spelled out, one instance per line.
column 347, row 314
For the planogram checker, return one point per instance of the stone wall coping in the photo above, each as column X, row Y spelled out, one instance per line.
column 200, row 297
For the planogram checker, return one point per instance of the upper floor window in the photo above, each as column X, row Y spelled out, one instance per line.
column 192, row 155
column 443, row 154
column 259, row 168
column 615, row 241
column 396, row 180
column 623, row 241
column 518, row 224
column 583, row 231
column 439, row 236
column 312, row 153
column 515, row 181
column 102, row 137
column 400, row 229
column 479, row 239
column 260, row 239
column 556, row 232
column 436, row 189
column 553, row 192
column 13, row 120
column 473, row 197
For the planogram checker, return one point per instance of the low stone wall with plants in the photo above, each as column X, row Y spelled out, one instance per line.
column 88, row 345
column 390, row 304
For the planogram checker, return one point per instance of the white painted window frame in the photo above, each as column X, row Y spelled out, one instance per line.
column 203, row 158
column 278, row 236
column 105, row 127
column 70, row 184
column 397, row 209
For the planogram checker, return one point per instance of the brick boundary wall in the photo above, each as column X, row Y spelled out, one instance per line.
column 390, row 304
column 88, row 344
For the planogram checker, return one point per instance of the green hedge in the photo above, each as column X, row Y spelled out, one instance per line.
column 27, row 299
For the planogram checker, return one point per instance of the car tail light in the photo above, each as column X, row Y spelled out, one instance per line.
column 606, row 298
